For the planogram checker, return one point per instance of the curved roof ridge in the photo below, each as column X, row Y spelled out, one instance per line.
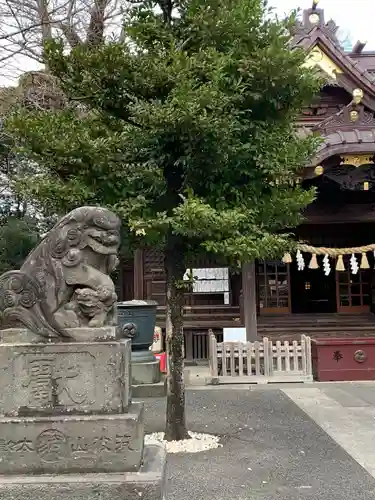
column 314, row 31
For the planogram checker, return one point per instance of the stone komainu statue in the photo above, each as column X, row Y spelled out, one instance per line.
column 65, row 282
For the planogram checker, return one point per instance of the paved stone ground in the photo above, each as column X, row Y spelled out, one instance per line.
column 272, row 449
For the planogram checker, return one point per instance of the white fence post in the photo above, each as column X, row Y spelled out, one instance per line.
column 303, row 354
column 307, row 342
column 287, row 356
column 249, row 358
column 270, row 358
column 266, row 358
column 282, row 361
column 295, row 356
column 240, row 358
column 213, row 355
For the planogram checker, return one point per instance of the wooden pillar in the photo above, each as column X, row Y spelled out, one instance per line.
column 138, row 275
column 121, row 291
column 189, row 361
column 249, row 300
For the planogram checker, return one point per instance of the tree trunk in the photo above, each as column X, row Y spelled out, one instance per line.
column 250, row 301
column 175, row 429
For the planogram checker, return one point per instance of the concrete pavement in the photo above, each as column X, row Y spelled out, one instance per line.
column 277, row 443
column 346, row 413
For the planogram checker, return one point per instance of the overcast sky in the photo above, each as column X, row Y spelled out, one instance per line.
column 356, row 17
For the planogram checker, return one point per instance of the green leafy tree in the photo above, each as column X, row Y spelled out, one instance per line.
column 18, row 230
column 18, row 237
column 186, row 130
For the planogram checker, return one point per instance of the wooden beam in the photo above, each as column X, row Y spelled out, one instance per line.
column 359, row 46
column 138, row 275
column 249, row 300
column 189, row 360
column 121, row 280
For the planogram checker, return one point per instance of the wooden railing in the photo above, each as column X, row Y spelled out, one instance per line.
column 260, row 362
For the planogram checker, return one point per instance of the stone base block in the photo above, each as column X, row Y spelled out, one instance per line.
column 146, row 373
column 82, row 334
column 143, row 391
column 64, row 378
column 147, row 484
column 68, row 444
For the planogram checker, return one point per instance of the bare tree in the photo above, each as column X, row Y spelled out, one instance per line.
column 26, row 24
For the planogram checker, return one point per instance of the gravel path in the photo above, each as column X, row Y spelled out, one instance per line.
column 271, row 451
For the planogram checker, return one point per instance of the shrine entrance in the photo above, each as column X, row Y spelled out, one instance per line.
column 311, row 291
column 283, row 289
column 341, row 217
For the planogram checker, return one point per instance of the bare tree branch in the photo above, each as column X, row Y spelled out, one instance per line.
column 96, row 27
column 27, row 24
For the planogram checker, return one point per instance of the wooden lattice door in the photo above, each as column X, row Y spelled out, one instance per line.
column 273, row 287
column 353, row 290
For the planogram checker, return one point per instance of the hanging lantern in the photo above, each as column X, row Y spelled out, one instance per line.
column 357, row 95
column 340, row 264
column 364, row 262
column 287, row 259
column 313, row 262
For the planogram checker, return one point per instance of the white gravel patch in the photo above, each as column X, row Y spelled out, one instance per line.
column 198, row 442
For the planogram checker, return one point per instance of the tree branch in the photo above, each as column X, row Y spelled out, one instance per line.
column 167, row 8
column 95, row 31
column 26, row 25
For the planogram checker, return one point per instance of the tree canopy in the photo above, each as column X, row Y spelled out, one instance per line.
column 18, row 237
column 186, row 128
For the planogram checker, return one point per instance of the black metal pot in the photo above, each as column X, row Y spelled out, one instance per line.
column 136, row 320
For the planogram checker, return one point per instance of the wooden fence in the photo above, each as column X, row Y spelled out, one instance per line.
column 260, row 362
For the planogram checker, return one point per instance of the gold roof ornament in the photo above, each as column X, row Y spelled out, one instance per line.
column 317, row 57
column 357, row 95
column 357, row 160
column 314, row 18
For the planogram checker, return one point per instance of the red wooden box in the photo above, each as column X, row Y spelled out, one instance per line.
column 343, row 359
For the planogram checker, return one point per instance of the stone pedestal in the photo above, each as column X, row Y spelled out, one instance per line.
column 68, row 428
column 148, row 483
column 146, row 373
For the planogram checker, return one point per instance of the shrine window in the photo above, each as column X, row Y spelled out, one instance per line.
column 273, row 287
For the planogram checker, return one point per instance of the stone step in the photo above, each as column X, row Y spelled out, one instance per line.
column 316, row 328
column 313, row 321
column 147, row 484
column 143, row 391
column 316, row 323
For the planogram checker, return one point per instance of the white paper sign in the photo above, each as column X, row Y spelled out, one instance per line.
column 234, row 334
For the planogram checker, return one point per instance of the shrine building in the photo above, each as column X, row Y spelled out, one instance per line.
column 328, row 288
